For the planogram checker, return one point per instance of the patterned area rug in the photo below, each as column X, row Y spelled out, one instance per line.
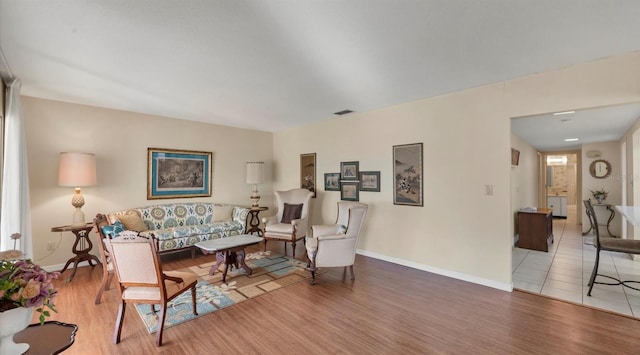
column 270, row 272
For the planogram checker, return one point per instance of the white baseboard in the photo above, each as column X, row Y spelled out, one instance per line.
column 443, row 272
column 58, row 267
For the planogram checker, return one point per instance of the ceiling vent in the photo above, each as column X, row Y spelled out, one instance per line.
column 343, row 112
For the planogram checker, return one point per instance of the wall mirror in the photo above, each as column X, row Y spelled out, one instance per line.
column 600, row 168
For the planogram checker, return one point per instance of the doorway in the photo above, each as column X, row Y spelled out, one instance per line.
column 561, row 181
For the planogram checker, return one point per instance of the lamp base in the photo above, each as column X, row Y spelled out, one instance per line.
column 255, row 196
column 78, row 217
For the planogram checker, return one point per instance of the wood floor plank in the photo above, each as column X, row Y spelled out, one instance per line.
column 388, row 309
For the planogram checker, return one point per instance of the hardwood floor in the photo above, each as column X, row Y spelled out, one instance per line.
column 387, row 309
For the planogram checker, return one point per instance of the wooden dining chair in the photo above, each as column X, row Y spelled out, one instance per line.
column 142, row 280
column 629, row 246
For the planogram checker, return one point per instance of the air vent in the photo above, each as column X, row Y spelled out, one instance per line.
column 343, row 112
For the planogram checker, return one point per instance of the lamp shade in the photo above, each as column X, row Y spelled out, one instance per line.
column 77, row 169
column 255, row 172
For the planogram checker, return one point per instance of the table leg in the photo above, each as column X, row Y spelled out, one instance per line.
column 220, row 258
column 81, row 248
column 240, row 256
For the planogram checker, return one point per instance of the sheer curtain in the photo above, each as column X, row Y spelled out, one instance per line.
column 15, row 214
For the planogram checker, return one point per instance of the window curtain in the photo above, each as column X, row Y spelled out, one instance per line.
column 15, row 214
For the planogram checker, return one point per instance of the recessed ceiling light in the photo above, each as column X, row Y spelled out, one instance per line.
column 571, row 139
column 564, row 113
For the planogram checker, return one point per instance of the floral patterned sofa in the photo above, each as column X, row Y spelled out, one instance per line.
column 177, row 226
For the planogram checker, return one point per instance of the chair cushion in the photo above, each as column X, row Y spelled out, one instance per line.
column 112, row 230
column 222, row 214
column 291, row 212
column 279, row 228
column 133, row 222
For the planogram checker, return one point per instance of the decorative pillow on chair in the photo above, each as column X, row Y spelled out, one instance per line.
column 342, row 229
column 133, row 221
column 291, row 212
column 222, row 214
column 112, row 230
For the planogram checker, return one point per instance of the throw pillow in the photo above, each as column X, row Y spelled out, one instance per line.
column 291, row 212
column 112, row 230
column 342, row 229
column 222, row 214
column 133, row 221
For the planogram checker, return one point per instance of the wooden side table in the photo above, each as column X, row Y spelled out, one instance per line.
column 535, row 229
column 81, row 247
column 254, row 220
column 50, row 338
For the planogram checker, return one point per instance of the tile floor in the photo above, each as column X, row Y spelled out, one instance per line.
column 564, row 271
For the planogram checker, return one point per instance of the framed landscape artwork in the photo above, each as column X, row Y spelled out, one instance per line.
column 370, row 181
column 332, row 181
column 349, row 191
column 178, row 173
column 349, row 170
column 407, row 174
column 308, row 172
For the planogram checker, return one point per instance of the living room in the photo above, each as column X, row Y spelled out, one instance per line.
column 466, row 138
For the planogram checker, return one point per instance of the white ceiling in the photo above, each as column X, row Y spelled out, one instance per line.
column 270, row 65
column 548, row 132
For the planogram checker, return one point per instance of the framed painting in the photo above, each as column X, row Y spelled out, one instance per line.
column 349, row 191
column 349, row 170
column 178, row 173
column 370, row 181
column 407, row 174
column 308, row 172
column 332, row 181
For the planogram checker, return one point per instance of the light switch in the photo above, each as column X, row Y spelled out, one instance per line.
column 488, row 189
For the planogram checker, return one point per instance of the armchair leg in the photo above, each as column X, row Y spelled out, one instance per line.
column 293, row 246
column 313, row 276
column 119, row 320
column 265, row 244
column 163, row 312
column 353, row 276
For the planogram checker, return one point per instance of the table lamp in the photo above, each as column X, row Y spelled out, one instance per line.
column 77, row 170
column 255, row 176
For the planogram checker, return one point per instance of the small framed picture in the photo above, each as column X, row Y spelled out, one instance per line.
column 370, row 181
column 349, row 191
column 349, row 170
column 332, row 181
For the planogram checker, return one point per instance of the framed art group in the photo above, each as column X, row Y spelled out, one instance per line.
column 178, row 173
column 350, row 181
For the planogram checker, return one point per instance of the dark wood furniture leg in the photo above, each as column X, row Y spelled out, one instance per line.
column 81, row 248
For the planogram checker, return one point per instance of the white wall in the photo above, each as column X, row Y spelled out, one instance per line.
column 524, row 177
column 460, row 232
column 120, row 141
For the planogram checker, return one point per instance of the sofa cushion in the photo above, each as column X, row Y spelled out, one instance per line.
column 291, row 212
column 112, row 230
column 222, row 214
column 133, row 221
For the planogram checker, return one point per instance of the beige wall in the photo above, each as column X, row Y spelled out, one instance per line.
column 120, row 141
column 460, row 232
column 612, row 184
column 524, row 178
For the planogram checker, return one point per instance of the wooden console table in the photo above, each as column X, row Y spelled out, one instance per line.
column 81, row 247
column 535, row 228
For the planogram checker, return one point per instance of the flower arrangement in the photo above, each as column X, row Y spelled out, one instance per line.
column 25, row 284
column 599, row 195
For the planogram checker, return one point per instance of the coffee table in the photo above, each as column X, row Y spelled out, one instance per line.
column 229, row 250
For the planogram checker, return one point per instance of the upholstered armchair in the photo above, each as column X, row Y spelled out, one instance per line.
column 142, row 280
column 290, row 224
column 335, row 245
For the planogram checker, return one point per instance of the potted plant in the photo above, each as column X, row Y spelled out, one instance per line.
column 599, row 195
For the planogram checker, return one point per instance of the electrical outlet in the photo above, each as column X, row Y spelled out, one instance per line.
column 51, row 246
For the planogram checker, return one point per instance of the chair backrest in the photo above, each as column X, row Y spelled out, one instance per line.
column 136, row 262
column 294, row 197
column 356, row 219
column 343, row 211
column 593, row 220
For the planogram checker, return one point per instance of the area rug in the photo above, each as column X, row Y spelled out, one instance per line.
column 270, row 272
